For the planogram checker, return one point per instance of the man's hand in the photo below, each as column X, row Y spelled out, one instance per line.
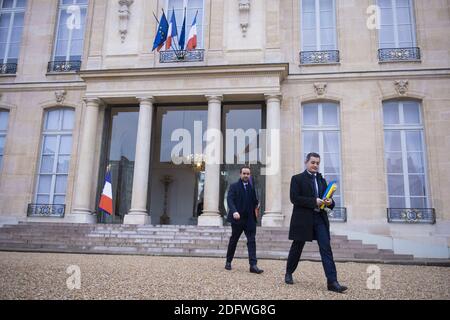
column 319, row 202
column 257, row 212
column 236, row 216
column 328, row 202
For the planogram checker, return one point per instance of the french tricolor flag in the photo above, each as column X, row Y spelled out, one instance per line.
column 106, row 201
column 192, row 39
column 173, row 32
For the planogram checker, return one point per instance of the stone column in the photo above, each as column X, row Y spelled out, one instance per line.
column 211, row 215
column 138, row 213
column 82, row 208
column 273, row 216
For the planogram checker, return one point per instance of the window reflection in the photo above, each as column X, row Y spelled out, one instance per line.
column 122, row 152
column 244, row 118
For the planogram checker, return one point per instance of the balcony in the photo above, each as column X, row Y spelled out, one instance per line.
column 337, row 215
column 64, row 66
column 46, row 210
column 181, row 56
column 8, row 68
column 399, row 54
column 319, row 57
column 411, row 215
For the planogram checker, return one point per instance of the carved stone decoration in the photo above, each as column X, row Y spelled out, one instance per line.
column 244, row 13
column 321, row 88
column 124, row 14
column 401, row 86
column 60, row 96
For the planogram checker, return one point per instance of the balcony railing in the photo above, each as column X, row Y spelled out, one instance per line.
column 181, row 56
column 338, row 215
column 64, row 66
column 46, row 210
column 411, row 215
column 319, row 57
column 8, row 68
column 399, row 54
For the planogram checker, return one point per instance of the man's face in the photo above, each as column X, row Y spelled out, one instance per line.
column 245, row 175
column 313, row 165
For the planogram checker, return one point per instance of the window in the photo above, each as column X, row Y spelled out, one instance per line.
column 70, row 33
column 321, row 134
column 192, row 7
column 55, row 156
column 4, row 115
column 397, row 24
column 187, row 118
column 12, row 14
column 318, row 25
column 404, row 155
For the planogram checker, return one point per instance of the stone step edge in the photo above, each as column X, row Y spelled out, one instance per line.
column 413, row 262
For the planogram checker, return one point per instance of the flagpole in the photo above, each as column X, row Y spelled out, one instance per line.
column 155, row 17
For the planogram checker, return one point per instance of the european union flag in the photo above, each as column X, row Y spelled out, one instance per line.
column 161, row 35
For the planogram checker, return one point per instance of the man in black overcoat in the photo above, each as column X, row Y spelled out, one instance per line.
column 309, row 222
column 243, row 213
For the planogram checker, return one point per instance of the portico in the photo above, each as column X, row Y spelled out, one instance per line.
column 212, row 86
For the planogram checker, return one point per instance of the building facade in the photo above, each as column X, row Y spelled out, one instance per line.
column 364, row 83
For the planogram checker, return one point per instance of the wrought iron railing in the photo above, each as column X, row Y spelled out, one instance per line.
column 64, row 66
column 46, row 210
column 338, row 214
column 411, row 215
column 8, row 68
column 319, row 57
column 399, row 54
column 182, row 56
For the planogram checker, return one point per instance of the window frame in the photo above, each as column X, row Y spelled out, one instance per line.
column 60, row 9
column 318, row 27
column 403, row 128
column 395, row 25
column 200, row 41
column 321, row 129
column 58, row 133
column 13, row 11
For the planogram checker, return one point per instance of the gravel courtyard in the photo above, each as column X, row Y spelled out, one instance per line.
column 44, row 276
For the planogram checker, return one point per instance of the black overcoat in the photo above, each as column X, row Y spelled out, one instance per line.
column 303, row 198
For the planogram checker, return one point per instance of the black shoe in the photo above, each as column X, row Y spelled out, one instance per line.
column 336, row 287
column 288, row 278
column 255, row 269
column 228, row 265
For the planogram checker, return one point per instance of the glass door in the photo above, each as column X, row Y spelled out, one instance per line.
column 242, row 126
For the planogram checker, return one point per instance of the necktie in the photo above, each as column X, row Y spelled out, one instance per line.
column 315, row 185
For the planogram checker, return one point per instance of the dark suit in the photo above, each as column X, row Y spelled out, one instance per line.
column 243, row 201
column 308, row 223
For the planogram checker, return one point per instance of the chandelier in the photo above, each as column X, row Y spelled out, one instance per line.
column 197, row 162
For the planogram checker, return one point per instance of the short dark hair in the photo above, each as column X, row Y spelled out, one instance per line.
column 245, row 167
column 312, row 155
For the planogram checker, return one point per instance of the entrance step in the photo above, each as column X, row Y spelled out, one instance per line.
column 272, row 243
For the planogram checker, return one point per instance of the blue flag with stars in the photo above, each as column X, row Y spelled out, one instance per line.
column 161, row 35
